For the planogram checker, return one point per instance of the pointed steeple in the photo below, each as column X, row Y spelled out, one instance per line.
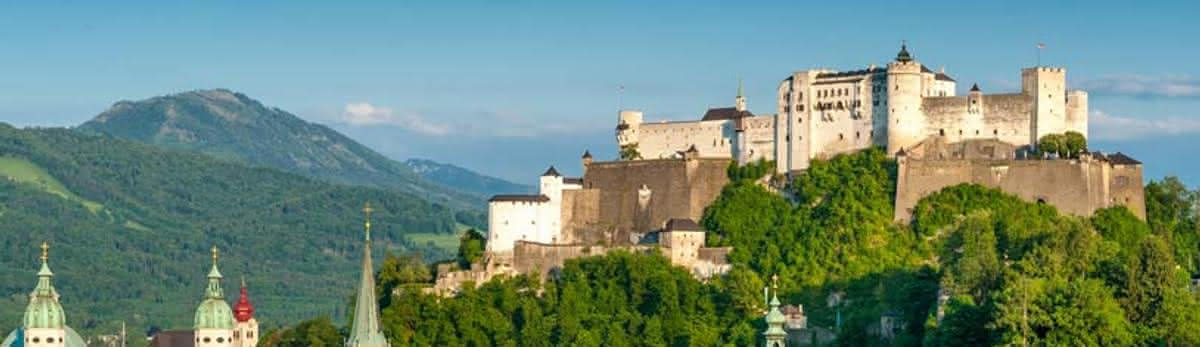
column 775, row 335
column 44, row 310
column 365, row 330
column 243, row 310
column 739, row 102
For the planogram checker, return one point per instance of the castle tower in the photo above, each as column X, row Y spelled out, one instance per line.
column 628, row 124
column 214, row 318
column 906, row 122
column 775, row 336
column 245, row 332
column 1048, row 87
column 365, row 331
column 45, row 320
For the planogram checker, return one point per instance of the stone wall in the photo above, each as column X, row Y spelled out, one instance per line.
column 546, row 259
column 1076, row 186
column 609, row 203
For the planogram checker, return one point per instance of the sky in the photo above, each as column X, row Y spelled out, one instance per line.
column 508, row 88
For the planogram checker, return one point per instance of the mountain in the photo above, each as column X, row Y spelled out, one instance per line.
column 131, row 226
column 464, row 179
column 232, row 126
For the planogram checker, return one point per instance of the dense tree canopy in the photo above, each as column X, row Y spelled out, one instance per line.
column 975, row 266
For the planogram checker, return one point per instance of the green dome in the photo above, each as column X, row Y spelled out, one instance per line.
column 214, row 312
column 73, row 338
column 44, row 311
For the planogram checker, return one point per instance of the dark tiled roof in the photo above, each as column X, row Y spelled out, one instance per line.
column 725, row 113
column 926, row 69
column 682, row 224
column 173, row 338
column 520, row 198
column 551, row 172
column 941, row 76
column 573, row 180
column 1122, row 159
column 622, row 126
column 587, row 154
column 851, row 73
column 975, row 87
column 903, row 55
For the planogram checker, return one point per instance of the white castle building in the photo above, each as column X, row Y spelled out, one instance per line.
column 821, row 113
column 535, row 218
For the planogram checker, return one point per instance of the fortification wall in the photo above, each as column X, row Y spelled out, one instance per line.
column 1077, row 187
column 664, row 140
column 760, row 137
column 544, row 259
column 1005, row 117
column 679, row 188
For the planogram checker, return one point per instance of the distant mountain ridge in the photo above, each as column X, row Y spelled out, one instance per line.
column 454, row 176
column 232, row 126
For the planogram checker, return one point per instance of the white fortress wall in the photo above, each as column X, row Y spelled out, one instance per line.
column 666, row 139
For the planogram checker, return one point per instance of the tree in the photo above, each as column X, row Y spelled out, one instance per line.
column 1052, row 143
column 630, row 152
column 1074, row 144
column 318, row 332
column 470, row 248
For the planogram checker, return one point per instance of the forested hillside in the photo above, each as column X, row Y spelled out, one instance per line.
column 131, row 226
column 232, row 126
column 1010, row 273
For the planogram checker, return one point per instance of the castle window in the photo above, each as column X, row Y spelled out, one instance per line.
column 942, row 132
column 840, row 137
column 959, row 132
column 995, row 132
column 857, row 135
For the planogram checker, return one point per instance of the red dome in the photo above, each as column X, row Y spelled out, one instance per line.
column 243, row 310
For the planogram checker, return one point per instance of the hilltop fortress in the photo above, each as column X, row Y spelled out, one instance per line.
column 822, row 113
column 671, row 171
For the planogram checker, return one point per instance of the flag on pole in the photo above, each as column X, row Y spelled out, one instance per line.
column 1041, row 45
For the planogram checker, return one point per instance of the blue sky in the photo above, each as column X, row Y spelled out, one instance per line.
column 509, row 87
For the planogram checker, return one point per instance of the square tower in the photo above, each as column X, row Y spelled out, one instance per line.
column 1048, row 87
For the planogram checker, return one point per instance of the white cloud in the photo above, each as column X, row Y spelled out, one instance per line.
column 1104, row 126
column 1145, row 86
column 365, row 114
column 476, row 124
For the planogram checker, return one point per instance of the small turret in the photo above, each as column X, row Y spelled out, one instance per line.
column 739, row 102
column 775, row 335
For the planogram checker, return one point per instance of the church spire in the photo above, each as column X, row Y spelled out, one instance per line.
column 739, row 102
column 365, row 330
column 44, row 310
column 775, row 335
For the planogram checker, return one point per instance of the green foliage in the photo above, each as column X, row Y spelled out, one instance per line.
column 1066, row 145
column 630, row 152
column 319, row 332
column 298, row 241
column 620, row 299
column 470, row 248
column 1173, row 212
column 751, row 171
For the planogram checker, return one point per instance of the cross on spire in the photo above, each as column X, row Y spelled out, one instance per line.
column 45, row 252
column 775, row 282
column 215, row 254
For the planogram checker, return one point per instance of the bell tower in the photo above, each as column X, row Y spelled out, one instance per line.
column 906, row 122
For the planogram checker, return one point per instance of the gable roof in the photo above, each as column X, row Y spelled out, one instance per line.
column 725, row 113
column 519, row 198
column 682, row 224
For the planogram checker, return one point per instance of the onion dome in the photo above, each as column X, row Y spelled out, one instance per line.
column 903, row 56
column 243, row 311
column 44, row 310
column 213, row 312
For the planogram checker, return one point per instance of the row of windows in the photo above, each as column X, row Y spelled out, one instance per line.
column 48, row 340
column 942, row 132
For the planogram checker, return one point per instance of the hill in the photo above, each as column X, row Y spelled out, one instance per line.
column 232, row 126
column 465, row 180
column 131, row 226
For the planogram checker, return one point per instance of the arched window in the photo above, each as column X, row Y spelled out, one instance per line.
column 942, row 132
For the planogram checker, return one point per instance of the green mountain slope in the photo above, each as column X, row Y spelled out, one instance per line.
column 232, row 126
column 131, row 226
column 465, row 180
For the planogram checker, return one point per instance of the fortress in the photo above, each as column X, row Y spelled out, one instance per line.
column 822, row 113
column 671, row 171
